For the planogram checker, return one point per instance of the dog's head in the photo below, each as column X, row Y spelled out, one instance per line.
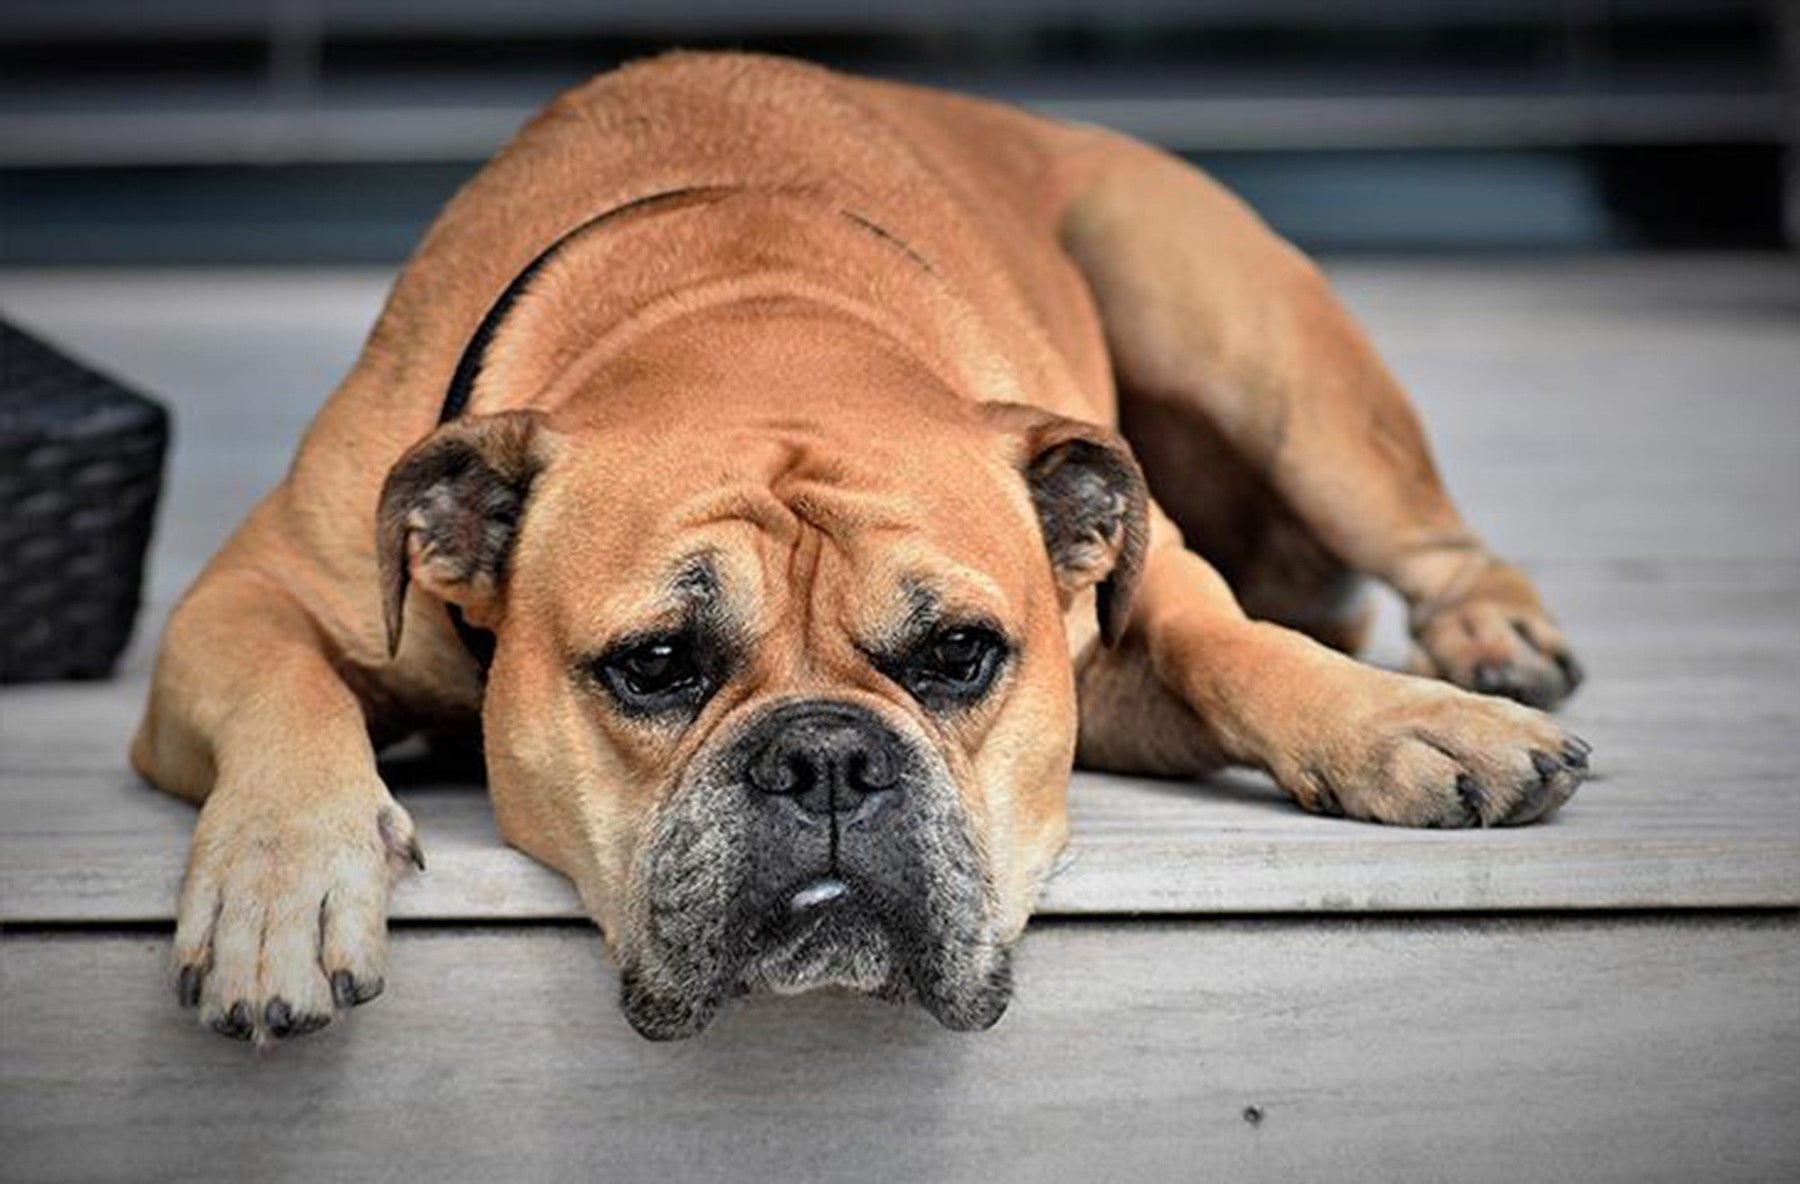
column 781, row 675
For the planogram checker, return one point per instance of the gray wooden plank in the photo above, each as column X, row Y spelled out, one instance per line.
column 1647, row 1050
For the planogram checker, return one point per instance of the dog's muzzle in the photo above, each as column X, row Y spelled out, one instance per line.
column 816, row 846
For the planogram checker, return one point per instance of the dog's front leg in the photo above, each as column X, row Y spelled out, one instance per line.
column 1339, row 736
column 283, row 913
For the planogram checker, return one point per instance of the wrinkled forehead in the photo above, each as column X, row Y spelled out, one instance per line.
column 751, row 529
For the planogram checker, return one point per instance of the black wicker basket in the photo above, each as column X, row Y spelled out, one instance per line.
column 80, row 469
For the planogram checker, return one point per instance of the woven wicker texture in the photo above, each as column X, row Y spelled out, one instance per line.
column 80, row 469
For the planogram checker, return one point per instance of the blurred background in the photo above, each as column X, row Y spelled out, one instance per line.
column 330, row 131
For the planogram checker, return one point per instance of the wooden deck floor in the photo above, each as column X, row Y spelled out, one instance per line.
column 1630, row 430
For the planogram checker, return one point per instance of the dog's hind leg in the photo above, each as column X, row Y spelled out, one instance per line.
column 283, row 913
column 1208, row 314
column 1131, row 722
column 1277, row 567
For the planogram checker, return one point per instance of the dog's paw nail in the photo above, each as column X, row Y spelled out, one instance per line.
column 278, row 1018
column 236, row 1022
column 1546, row 765
column 1470, row 791
column 1575, row 754
column 399, row 837
column 187, row 986
column 308, row 1022
column 347, row 992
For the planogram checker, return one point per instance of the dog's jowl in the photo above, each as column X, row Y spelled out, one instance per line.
column 792, row 476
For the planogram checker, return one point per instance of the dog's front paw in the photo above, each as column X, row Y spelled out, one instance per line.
column 1495, row 638
column 283, row 914
column 1418, row 753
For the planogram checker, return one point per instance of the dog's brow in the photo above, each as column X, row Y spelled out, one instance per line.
column 692, row 599
column 695, row 580
column 930, row 600
column 696, row 592
column 924, row 608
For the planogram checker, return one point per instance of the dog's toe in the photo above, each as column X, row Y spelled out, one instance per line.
column 234, row 1021
column 1557, row 779
column 187, row 986
column 1474, row 799
column 282, row 1021
column 348, row 991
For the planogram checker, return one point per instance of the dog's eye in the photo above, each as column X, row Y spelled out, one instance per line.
column 958, row 655
column 658, row 674
column 954, row 666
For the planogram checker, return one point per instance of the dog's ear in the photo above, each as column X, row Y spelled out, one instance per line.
column 449, row 511
column 1091, row 503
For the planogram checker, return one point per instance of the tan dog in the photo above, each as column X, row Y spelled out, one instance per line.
column 776, row 528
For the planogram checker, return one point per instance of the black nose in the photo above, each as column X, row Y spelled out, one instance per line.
column 828, row 758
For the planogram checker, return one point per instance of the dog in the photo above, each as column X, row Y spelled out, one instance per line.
column 792, row 476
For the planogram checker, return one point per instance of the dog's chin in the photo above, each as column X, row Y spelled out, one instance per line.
column 842, row 943
column 831, row 944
